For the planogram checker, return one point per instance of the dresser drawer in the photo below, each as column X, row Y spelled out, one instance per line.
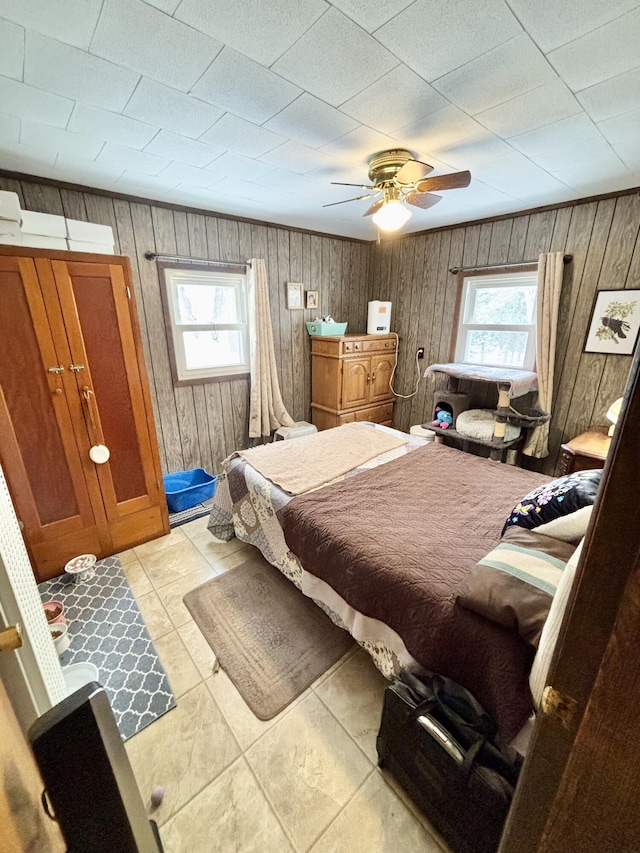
column 377, row 414
column 383, row 345
column 350, row 347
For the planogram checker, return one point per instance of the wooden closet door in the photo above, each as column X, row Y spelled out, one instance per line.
column 38, row 446
column 112, row 386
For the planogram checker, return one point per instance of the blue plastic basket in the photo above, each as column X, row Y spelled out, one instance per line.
column 185, row 489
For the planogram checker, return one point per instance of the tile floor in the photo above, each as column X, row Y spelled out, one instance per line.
column 304, row 781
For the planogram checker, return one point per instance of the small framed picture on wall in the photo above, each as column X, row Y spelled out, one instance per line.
column 312, row 299
column 294, row 295
column 615, row 322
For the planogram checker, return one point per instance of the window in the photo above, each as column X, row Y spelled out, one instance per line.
column 207, row 319
column 497, row 325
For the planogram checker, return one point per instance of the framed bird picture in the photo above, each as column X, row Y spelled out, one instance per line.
column 615, row 322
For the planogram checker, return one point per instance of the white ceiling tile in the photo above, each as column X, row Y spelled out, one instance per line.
column 139, row 184
column 241, row 136
column 509, row 70
column 259, row 30
column 594, row 154
column 119, row 157
column 552, row 24
column 471, row 152
column 568, row 131
column 620, row 94
column 395, row 100
column 356, row 147
column 335, row 59
column 542, row 106
column 622, row 128
column 170, row 52
column 87, row 171
column 629, row 153
column 311, row 121
column 9, row 128
column 603, row 53
column 184, row 150
column 433, row 37
column 30, row 158
column 26, row 102
column 244, row 87
column 477, row 194
column 75, row 74
column 515, row 175
column 238, row 166
column 371, row 14
column 70, row 21
column 250, row 190
column 293, row 182
column 297, row 158
column 442, row 128
column 168, row 6
column 53, row 139
column 608, row 178
column 12, row 53
column 114, row 127
column 164, row 107
column 180, row 173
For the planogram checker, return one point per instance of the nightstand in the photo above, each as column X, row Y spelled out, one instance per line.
column 588, row 450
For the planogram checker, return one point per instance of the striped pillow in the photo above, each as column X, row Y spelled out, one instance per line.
column 514, row 584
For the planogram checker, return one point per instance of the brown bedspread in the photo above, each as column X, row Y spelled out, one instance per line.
column 396, row 541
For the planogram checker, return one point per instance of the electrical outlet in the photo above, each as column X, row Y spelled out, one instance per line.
column 420, row 352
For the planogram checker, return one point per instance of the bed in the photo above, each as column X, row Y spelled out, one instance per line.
column 382, row 548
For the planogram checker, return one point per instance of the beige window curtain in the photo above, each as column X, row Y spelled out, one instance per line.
column 267, row 412
column 550, row 272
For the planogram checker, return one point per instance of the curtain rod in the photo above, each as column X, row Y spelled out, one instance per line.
column 456, row 270
column 155, row 256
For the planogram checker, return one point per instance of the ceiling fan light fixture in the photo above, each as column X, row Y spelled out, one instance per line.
column 392, row 215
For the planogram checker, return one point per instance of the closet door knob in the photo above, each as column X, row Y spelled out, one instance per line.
column 58, row 391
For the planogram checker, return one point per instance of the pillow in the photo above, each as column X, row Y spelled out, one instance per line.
column 569, row 528
column 557, row 498
column 551, row 630
column 515, row 583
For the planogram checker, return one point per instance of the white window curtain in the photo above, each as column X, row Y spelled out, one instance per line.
column 550, row 272
column 267, row 412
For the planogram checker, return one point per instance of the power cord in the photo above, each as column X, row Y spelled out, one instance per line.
column 395, row 393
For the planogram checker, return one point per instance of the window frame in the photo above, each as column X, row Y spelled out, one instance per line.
column 180, row 373
column 460, row 328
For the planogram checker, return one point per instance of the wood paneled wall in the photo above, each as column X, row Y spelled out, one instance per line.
column 413, row 272
column 199, row 425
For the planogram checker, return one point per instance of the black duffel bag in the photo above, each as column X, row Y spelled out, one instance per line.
column 441, row 746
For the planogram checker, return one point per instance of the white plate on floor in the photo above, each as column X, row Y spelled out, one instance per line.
column 76, row 675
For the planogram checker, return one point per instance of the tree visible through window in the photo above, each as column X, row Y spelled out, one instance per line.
column 208, row 318
column 497, row 324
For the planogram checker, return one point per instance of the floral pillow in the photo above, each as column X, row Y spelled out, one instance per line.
column 555, row 499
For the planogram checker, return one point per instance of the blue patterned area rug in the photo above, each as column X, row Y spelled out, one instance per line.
column 107, row 629
column 197, row 511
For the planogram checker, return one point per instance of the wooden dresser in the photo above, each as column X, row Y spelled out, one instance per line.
column 585, row 451
column 350, row 379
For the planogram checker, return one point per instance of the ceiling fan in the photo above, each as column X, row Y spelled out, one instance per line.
column 401, row 180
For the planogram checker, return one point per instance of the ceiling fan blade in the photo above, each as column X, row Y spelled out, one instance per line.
column 453, row 181
column 357, row 198
column 423, row 200
column 374, row 207
column 362, row 186
column 412, row 171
